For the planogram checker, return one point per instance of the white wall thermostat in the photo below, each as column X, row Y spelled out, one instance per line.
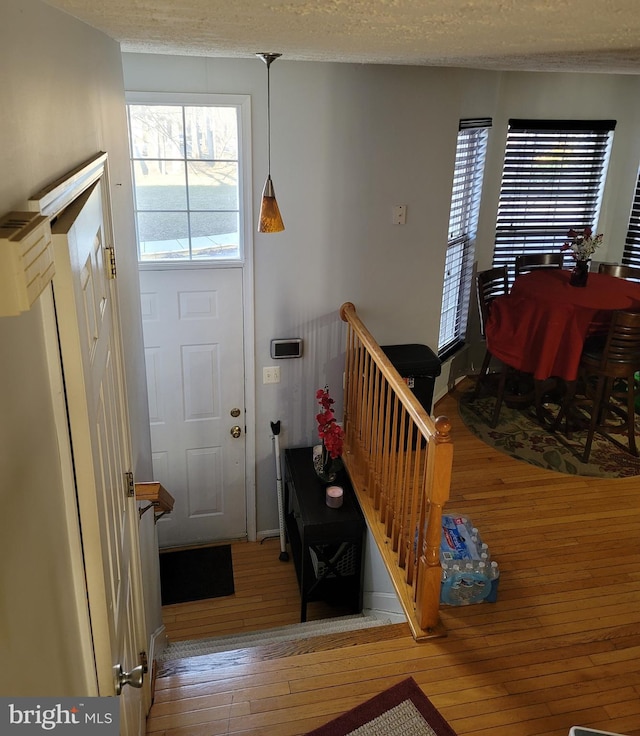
column 289, row 348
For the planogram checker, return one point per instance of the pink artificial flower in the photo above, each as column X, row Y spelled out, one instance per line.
column 331, row 434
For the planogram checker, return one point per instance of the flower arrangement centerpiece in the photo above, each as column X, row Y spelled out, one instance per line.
column 327, row 456
column 582, row 244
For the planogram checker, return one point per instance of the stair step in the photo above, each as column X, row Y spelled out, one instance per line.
column 206, row 664
column 212, row 645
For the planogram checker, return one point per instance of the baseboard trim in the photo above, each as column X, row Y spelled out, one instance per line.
column 268, row 534
column 157, row 644
column 382, row 604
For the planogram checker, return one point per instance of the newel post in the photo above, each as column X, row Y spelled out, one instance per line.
column 429, row 571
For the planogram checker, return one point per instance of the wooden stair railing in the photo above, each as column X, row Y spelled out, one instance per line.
column 399, row 461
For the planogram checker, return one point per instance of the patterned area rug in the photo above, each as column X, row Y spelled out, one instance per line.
column 520, row 435
column 402, row 710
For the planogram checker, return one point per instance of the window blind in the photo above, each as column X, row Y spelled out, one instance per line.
column 631, row 255
column 463, row 220
column 552, row 181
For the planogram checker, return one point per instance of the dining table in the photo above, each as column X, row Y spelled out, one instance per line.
column 541, row 326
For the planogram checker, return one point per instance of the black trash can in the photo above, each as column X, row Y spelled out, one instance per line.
column 419, row 366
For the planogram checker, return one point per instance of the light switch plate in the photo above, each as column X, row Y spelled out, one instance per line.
column 400, row 214
column 271, row 374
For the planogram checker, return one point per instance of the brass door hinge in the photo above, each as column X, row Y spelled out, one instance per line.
column 131, row 488
column 111, row 262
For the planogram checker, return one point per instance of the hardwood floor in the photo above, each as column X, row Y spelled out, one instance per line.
column 266, row 596
column 561, row 647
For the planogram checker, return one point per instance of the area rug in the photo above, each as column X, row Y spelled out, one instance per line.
column 195, row 574
column 402, row 710
column 520, row 435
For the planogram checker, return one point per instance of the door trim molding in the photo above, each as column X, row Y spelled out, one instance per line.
column 250, row 392
column 55, row 197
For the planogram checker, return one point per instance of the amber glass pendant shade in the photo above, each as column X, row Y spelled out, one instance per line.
column 270, row 217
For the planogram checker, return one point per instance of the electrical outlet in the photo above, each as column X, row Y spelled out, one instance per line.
column 271, row 374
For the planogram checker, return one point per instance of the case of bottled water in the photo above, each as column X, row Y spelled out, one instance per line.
column 469, row 575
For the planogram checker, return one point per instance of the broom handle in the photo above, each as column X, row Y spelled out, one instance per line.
column 275, row 428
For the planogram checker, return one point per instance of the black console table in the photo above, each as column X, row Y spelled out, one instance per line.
column 326, row 544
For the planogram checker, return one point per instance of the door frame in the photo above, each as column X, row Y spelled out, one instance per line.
column 246, row 263
column 50, row 202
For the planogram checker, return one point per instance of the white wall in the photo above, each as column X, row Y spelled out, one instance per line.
column 62, row 102
column 379, row 597
column 349, row 142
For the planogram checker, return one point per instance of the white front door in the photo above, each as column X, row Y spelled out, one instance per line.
column 90, row 348
column 194, row 347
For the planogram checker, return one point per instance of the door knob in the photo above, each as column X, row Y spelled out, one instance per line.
column 235, row 412
column 133, row 678
column 236, row 432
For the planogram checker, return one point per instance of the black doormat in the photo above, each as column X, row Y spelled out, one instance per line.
column 195, row 574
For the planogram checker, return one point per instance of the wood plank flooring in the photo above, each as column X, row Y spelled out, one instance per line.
column 266, row 596
column 561, row 647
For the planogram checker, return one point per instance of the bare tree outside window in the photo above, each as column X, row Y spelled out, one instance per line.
column 185, row 163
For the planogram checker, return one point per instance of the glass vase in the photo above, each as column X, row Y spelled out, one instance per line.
column 326, row 467
column 580, row 274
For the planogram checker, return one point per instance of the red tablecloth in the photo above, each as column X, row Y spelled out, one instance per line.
column 540, row 328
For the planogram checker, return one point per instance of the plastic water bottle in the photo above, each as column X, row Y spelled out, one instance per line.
column 464, row 587
column 473, row 539
column 451, row 590
column 482, row 583
column 444, row 578
column 493, row 574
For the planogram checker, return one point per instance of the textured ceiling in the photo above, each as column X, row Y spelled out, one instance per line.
column 535, row 35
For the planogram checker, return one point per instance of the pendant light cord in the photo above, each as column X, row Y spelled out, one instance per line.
column 269, row 118
column 268, row 59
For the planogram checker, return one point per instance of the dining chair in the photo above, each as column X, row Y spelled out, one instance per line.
column 535, row 261
column 607, row 380
column 490, row 284
column 630, row 273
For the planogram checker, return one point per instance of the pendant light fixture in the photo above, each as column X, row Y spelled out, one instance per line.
column 270, row 218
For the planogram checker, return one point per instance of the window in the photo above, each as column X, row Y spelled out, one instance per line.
column 631, row 255
column 553, row 178
column 463, row 221
column 188, row 178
